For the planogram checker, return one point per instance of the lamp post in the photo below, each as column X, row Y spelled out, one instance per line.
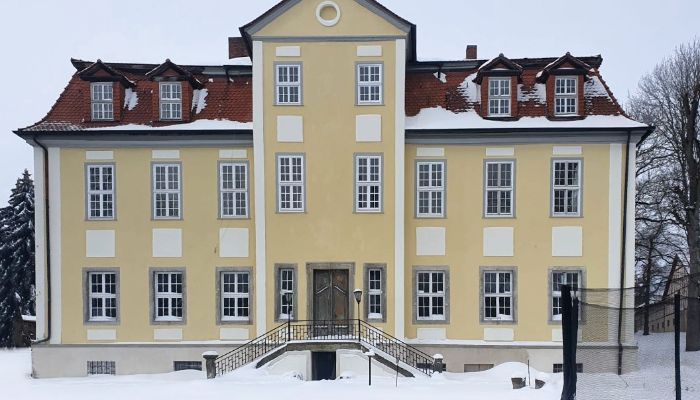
column 358, row 298
column 288, row 301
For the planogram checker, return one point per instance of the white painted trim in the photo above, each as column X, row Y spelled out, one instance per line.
column 288, row 51
column 369, row 51
column 567, row 150
column 101, row 334
column 399, row 190
column 40, row 242
column 500, row 151
column 232, row 154
column 431, row 333
column 328, row 22
column 167, row 334
column 430, row 152
column 498, row 334
column 99, row 155
column 629, row 242
column 234, row 334
column 55, row 229
column 259, row 173
column 615, row 215
column 165, row 154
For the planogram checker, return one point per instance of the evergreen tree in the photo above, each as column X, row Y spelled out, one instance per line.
column 17, row 257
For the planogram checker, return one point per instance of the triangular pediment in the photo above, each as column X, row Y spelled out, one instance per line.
column 169, row 69
column 101, row 72
column 500, row 65
column 567, row 64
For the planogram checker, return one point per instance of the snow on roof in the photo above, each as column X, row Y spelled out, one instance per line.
column 202, row 124
column 440, row 118
column 595, row 88
column 245, row 61
column 469, row 89
column 538, row 93
column 29, row 318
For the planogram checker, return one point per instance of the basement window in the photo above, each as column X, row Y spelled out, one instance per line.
column 101, row 368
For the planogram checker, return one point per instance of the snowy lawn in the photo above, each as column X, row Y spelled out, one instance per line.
column 655, row 378
column 249, row 383
column 654, row 381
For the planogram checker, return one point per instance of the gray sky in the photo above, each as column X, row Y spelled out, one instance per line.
column 38, row 38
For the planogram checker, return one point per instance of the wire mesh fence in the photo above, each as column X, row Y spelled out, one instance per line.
column 627, row 350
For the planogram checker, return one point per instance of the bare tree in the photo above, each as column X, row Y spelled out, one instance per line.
column 669, row 98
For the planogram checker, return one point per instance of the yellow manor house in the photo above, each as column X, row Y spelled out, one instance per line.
column 327, row 192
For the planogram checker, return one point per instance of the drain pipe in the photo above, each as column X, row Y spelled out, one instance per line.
column 48, row 242
column 623, row 251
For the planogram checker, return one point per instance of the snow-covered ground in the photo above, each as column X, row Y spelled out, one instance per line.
column 653, row 381
column 655, row 378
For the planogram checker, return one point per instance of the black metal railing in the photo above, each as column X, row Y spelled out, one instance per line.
column 359, row 331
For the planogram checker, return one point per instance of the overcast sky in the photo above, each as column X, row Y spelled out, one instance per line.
column 38, row 38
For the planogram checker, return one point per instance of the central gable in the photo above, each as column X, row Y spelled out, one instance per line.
column 319, row 18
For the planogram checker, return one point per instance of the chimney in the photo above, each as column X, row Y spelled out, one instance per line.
column 237, row 48
column 471, row 52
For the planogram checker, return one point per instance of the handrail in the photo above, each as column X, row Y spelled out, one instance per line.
column 316, row 330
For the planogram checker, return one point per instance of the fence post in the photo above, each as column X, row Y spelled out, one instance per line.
column 569, row 346
column 437, row 363
column 210, row 363
column 677, row 341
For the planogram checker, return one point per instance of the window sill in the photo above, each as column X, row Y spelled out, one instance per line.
column 565, row 216
column 113, row 322
column 498, row 322
column 494, row 216
column 245, row 321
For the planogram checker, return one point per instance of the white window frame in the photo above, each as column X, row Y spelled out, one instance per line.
column 567, row 188
column 434, row 190
column 375, row 290
column 170, row 95
column 499, row 295
column 235, row 295
column 431, row 295
column 370, row 80
column 499, row 189
column 236, row 189
column 168, row 192
column 105, row 195
column 170, row 295
column 555, row 289
column 102, row 101
column 366, row 182
column 283, row 87
column 286, row 284
column 500, row 92
column 566, row 94
column 289, row 180
column 102, row 295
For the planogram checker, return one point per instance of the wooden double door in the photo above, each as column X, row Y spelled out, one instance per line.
column 331, row 293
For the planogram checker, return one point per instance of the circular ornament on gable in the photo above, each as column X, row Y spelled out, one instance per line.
column 328, row 13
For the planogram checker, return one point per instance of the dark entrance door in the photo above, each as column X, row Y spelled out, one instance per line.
column 331, row 301
column 323, row 365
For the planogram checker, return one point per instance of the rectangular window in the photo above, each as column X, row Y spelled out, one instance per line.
column 559, row 279
column 100, row 191
column 498, row 296
column 375, row 293
column 169, row 304
column 430, row 295
column 102, row 296
column 431, row 189
column 368, row 183
column 102, row 101
column 559, row 368
column 290, row 182
column 566, row 188
column 288, row 84
column 499, row 97
column 170, row 100
column 565, row 95
column 286, row 286
column 187, row 365
column 235, row 296
column 101, row 368
column 166, row 191
column 499, row 188
column 233, row 189
column 369, row 83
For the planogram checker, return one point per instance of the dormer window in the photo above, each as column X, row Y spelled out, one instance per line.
column 565, row 95
column 102, row 101
column 170, row 101
column 499, row 97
